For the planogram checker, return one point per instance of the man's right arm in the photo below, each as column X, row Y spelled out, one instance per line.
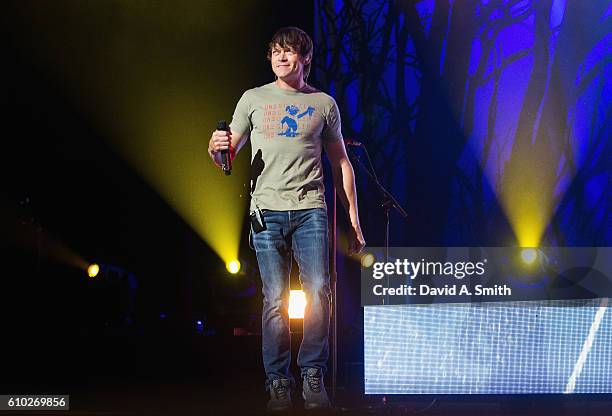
column 239, row 131
column 225, row 140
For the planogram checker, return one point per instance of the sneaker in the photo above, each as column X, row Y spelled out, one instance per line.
column 280, row 395
column 313, row 390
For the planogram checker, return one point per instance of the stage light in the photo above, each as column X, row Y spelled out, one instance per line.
column 199, row 326
column 367, row 260
column 529, row 255
column 233, row 266
column 93, row 270
column 297, row 304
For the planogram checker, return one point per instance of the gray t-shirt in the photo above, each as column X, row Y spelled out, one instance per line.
column 287, row 131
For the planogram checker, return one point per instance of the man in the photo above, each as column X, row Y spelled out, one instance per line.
column 289, row 124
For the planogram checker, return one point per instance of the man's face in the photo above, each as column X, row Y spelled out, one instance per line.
column 287, row 64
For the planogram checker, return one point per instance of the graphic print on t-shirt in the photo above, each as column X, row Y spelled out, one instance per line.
column 291, row 120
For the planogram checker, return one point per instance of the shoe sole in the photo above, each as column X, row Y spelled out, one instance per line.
column 316, row 406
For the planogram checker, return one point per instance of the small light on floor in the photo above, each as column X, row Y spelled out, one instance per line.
column 233, row 266
column 529, row 255
column 367, row 260
column 93, row 270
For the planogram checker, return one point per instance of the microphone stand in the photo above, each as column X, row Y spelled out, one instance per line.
column 389, row 202
column 334, row 279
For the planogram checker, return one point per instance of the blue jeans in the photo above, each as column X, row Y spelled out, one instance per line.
column 303, row 233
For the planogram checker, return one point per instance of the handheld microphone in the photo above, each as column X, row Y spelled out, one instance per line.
column 226, row 160
column 352, row 142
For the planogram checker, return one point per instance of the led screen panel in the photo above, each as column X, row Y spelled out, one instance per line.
column 489, row 348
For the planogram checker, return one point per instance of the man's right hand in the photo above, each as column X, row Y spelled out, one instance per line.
column 220, row 140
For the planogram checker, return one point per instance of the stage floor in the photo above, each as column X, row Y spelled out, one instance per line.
column 173, row 374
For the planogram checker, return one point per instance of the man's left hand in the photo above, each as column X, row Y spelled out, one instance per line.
column 356, row 242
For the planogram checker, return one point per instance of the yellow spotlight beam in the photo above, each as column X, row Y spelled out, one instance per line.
column 31, row 238
column 527, row 191
column 149, row 79
column 171, row 153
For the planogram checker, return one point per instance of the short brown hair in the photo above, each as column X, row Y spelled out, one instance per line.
column 296, row 39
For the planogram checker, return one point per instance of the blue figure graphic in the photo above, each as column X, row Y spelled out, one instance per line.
column 291, row 123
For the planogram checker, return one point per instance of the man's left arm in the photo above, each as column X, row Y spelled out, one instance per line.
column 344, row 182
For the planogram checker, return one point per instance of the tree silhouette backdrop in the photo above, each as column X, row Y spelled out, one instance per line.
column 489, row 120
